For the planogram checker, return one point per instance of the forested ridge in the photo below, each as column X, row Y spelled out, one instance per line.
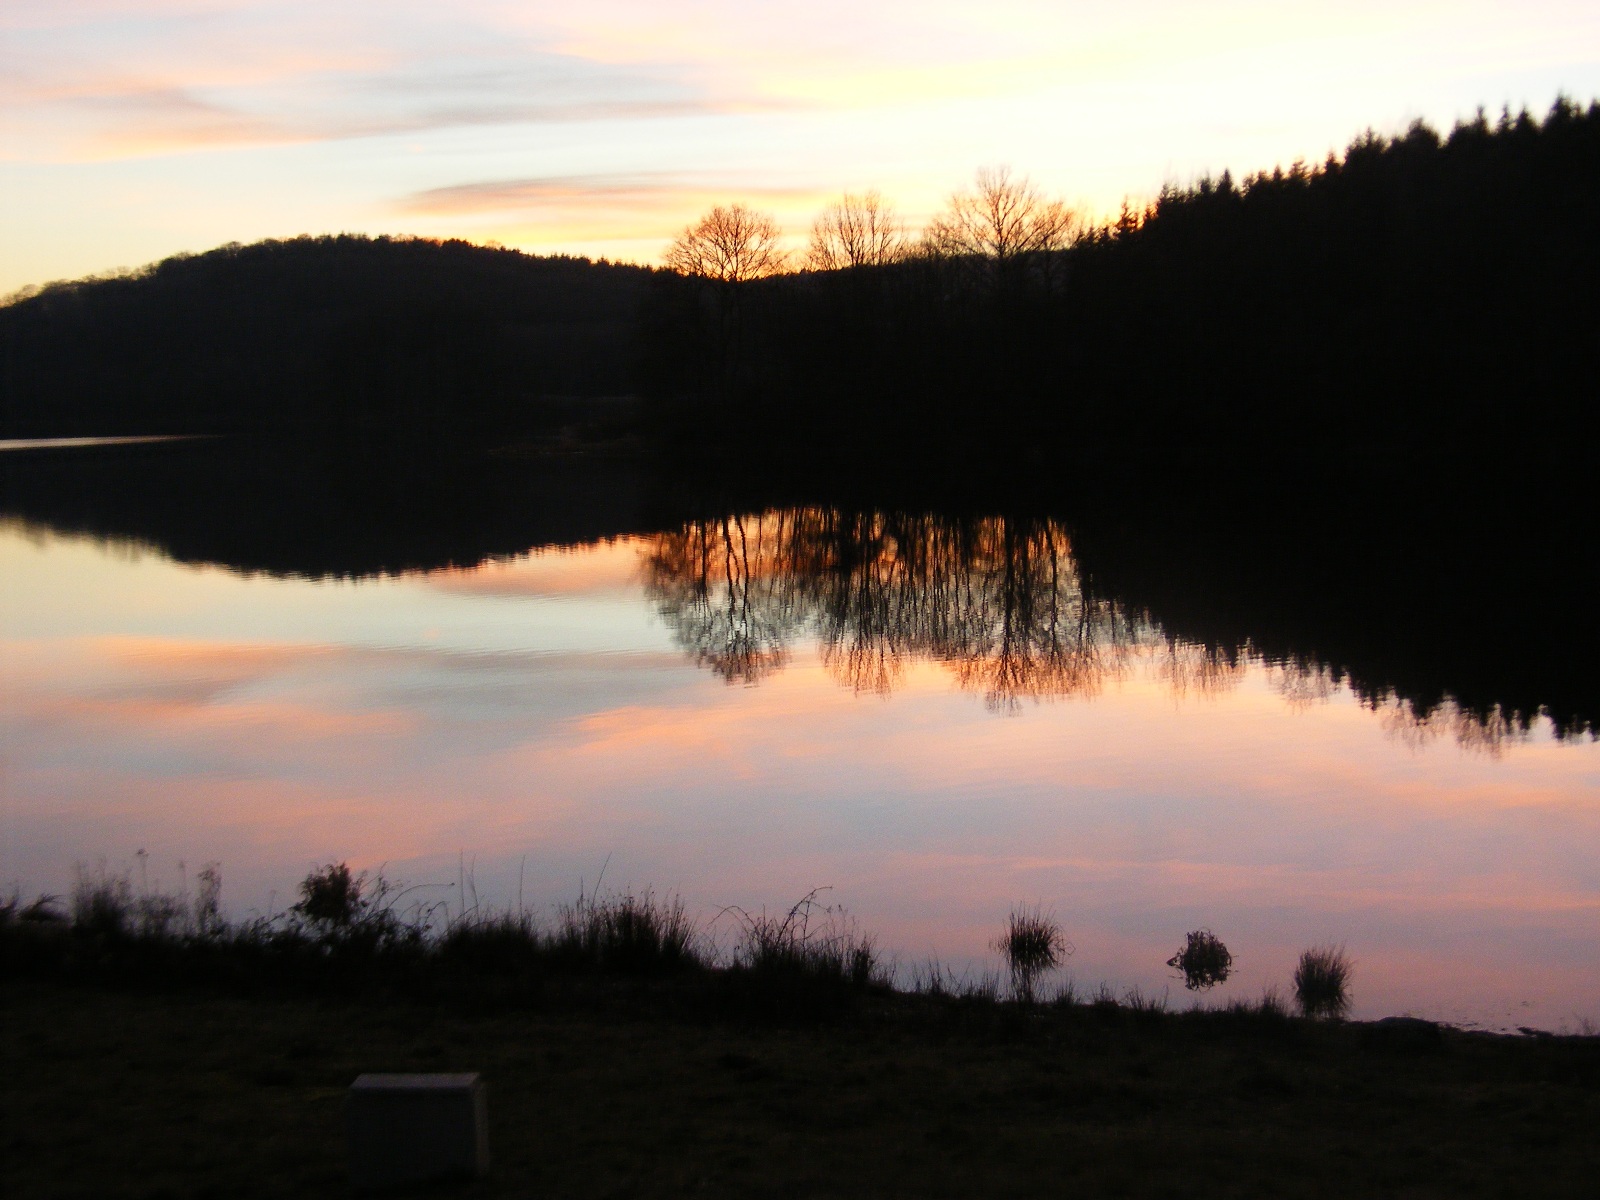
column 1417, row 296
column 340, row 334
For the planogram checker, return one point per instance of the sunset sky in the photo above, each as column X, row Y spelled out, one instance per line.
column 134, row 129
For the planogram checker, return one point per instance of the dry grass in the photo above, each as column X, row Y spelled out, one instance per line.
column 629, row 932
column 1322, row 982
column 812, row 940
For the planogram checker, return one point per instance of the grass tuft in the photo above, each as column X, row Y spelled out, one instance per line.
column 102, row 903
column 42, row 910
column 1135, row 1000
column 1032, row 944
column 629, row 932
column 494, row 942
column 1322, row 982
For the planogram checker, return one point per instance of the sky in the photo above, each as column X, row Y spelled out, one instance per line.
column 135, row 129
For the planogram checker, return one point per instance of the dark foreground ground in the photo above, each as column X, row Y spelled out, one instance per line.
column 125, row 1093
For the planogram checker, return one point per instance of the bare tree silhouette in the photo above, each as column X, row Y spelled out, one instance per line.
column 1004, row 218
column 856, row 231
column 729, row 245
column 724, row 249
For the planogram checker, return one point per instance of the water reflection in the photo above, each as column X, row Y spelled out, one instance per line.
column 999, row 601
column 536, row 713
column 1195, row 589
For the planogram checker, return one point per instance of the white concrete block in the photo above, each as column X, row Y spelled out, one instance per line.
column 414, row 1128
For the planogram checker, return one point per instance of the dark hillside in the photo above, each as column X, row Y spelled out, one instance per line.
column 330, row 333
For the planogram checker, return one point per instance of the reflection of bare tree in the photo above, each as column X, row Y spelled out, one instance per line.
column 1303, row 684
column 1025, row 626
column 1000, row 601
column 1190, row 669
column 1490, row 733
column 718, row 593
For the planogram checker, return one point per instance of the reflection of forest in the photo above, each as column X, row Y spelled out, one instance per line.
column 998, row 600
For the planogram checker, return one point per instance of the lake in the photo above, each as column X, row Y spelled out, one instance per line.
column 933, row 714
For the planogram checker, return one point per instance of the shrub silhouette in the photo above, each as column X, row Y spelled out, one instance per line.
column 1202, row 960
column 357, row 911
column 332, row 897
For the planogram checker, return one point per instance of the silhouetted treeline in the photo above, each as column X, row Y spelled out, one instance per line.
column 338, row 334
column 1420, row 295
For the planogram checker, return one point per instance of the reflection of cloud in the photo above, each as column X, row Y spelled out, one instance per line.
column 578, row 572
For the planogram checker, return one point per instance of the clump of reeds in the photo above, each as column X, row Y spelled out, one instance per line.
column 1202, row 960
column 1032, row 944
column 812, row 942
column 106, row 904
column 102, row 903
column 628, row 931
column 1322, row 982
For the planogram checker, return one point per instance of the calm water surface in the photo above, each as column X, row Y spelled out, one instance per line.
column 935, row 731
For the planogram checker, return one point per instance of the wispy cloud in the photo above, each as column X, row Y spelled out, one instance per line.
column 168, row 82
column 158, row 118
column 626, row 192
